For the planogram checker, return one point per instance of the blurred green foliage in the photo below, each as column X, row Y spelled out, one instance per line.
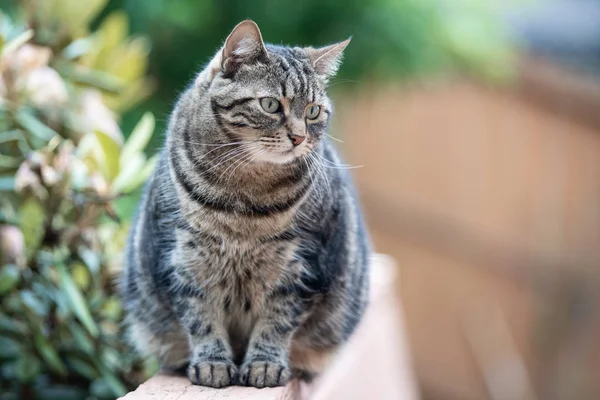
column 65, row 171
column 391, row 39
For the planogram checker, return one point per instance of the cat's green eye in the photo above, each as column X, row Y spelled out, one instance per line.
column 269, row 104
column 312, row 112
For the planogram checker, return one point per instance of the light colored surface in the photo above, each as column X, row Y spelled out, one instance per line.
column 375, row 364
column 164, row 387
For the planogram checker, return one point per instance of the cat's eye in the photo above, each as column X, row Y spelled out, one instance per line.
column 269, row 104
column 313, row 111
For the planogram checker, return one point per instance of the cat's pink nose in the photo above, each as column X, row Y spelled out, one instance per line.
column 296, row 139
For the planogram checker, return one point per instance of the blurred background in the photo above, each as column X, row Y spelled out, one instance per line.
column 477, row 126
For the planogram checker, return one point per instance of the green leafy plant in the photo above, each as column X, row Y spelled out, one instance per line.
column 66, row 174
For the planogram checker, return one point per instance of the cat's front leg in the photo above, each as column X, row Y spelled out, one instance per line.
column 266, row 363
column 211, row 362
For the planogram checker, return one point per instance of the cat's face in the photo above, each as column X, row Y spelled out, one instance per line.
column 272, row 99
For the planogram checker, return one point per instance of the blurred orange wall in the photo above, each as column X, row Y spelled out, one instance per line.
column 488, row 201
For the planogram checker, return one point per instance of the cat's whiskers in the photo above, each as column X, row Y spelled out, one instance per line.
column 340, row 81
column 197, row 160
column 334, row 138
column 217, row 159
column 231, row 155
column 240, row 159
column 233, row 165
column 330, row 164
column 220, row 147
column 231, row 174
column 310, row 171
column 321, row 172
column 249, row 152
column 211, row 144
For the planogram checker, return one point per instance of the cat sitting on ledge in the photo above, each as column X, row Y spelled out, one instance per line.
column 247, row 261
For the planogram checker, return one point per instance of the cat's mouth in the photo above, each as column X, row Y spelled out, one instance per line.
column 281, row 157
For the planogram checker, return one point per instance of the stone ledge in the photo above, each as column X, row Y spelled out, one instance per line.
column 375, row 363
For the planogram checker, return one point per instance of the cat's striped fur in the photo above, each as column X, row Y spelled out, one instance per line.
column 248, row 258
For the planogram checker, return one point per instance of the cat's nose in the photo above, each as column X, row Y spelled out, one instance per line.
column 296, row 139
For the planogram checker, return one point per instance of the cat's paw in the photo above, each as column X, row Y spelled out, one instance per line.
column 264, row 374
column 215, row 374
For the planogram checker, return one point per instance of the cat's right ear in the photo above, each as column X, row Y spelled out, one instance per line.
column 244, row 45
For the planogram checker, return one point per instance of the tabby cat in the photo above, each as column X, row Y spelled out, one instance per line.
column 247, row 261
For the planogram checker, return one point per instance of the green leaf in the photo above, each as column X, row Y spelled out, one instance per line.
column 77, row 301
column 78, row 47
column 79, row 175
column 63, row 307
column 83, row 341
column 110, row 357
column 125, row 206
column 91, row 77
column 82, row 367
column 11, row 325
column 9, row 162
column 100, row 389
column 129, row 173
column 112, row 309
column 7, row 183
column 61, row 392
column 36, row 127
column 10, row 136
column 151, row 366
column 115, row 385
column 110, row 155
column 11, row 348
column 9, row 278
column 12, row 304
column 139, row 138
column 90, row 258
column 49, row 354
column 129, row 60
column 34, row 303
column 27, row 367
column 114, row 29
column 81, row 275
column 132, row 94
column 75, row 15
column 141, row 177
column 32, row 222
column 17, row 42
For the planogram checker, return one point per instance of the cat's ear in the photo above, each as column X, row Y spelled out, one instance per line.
column 244, row 45
column 326, row 60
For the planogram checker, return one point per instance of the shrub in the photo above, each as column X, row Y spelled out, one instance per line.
column 66, row 174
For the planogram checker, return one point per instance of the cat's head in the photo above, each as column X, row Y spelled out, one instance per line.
column 271, row 98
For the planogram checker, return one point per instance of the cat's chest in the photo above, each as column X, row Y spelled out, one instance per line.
column 238, row 274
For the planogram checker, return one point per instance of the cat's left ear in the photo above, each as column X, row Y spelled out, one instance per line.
column 326, row 60
column 244, row 45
